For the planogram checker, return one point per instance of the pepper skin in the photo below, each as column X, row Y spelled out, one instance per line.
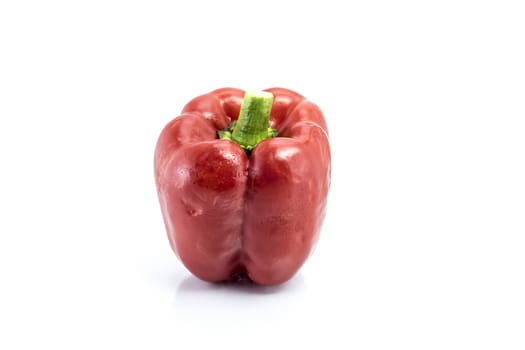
column 228, row 214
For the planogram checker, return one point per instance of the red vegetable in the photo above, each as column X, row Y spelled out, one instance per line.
column 247, row 203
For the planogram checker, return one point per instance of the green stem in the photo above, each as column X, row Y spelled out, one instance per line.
column 253, row 124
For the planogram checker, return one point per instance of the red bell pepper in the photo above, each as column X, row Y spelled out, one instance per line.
column 237, row 200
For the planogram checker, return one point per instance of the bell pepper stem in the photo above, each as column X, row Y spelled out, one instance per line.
column 253, row 124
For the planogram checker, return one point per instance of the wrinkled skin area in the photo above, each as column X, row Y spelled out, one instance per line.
column 228, row 215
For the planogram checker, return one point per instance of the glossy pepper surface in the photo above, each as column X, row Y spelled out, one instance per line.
column 252, row 210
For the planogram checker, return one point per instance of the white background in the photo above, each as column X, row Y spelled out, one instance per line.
column 423, row 245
